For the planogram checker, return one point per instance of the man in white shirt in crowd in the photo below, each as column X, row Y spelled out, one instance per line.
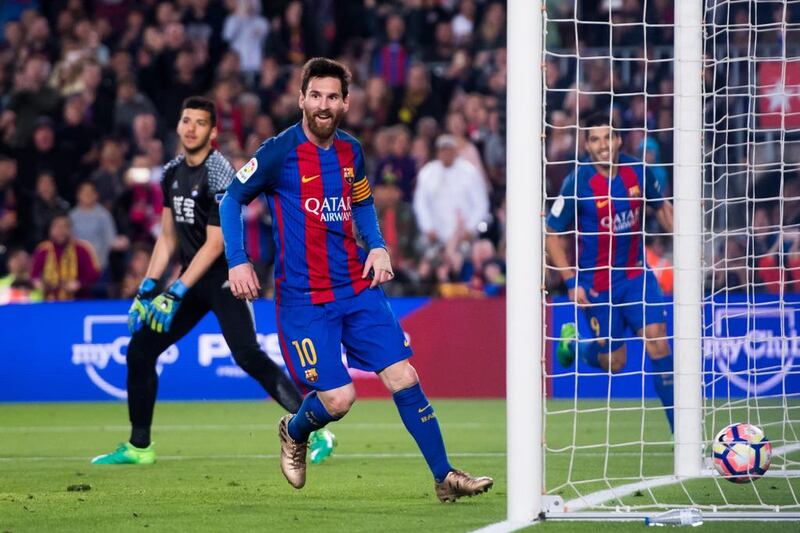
column 450, row 197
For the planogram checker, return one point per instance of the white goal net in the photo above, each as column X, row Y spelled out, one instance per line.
column 607, row 443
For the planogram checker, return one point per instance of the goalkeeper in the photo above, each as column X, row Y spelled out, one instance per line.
column 192, row 184
column 605, row 198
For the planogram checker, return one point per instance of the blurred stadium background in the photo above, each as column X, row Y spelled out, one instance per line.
column 91, row 92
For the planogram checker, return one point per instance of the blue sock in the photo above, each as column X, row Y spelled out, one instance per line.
column 589, row 352
column 310, row 417
column 420, row 420
column 664, row 388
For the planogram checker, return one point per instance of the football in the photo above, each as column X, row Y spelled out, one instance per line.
column 742, row 453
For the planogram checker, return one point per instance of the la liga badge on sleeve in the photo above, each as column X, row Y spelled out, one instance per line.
column 247, row 170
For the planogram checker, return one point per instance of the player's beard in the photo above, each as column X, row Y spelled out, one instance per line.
column 323, row 132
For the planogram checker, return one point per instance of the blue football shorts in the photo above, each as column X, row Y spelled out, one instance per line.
column 312, row 336
column 631, row 303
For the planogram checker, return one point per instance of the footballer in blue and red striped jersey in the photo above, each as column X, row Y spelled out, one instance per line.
column 605, row 199
column 608, row 217
column 327, row 287
column 311, row 193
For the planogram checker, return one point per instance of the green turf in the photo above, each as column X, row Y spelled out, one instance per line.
column 608, row 445
column 218, row 471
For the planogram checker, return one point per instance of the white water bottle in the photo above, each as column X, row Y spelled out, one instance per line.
column 676, row 517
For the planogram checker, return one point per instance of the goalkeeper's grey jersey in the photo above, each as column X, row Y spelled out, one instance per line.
column 193, row 194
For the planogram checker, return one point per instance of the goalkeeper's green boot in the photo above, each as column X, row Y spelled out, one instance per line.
column 128, row 454
column 321, row 443
column 568, row 344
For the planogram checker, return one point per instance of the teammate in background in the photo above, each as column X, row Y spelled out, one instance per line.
column 605, row 199
column 327, row 287
column 192, row 184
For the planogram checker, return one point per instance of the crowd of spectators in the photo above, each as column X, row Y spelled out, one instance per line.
column 752, row 181
column 90, row 92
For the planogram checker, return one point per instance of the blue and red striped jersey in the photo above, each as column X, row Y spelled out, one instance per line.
column 608, row 214
column 312, row 193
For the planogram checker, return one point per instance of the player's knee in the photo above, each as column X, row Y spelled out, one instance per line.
column 654, row 332
column 338, row 404
column 399, row 376
column 248, row 358
column 136, row 355
column 657, row 348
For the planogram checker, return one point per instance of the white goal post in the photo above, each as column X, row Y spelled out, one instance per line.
column 524, row 262
column 688, row 235
column 705, row 304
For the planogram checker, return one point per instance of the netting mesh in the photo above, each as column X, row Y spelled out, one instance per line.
column 606, row 428
column 751, row 213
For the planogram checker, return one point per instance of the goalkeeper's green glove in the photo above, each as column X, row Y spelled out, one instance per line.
column 138, row 309
column 162, row 310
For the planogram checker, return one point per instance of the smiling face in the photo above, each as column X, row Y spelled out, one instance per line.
column 603, row 145
column 195, row 130
column 323, row 106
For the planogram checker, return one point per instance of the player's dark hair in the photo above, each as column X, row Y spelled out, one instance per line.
column 598, row 118
column 322, row 67
column 202, row 103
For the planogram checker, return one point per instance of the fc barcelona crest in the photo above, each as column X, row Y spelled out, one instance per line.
column 311, row 375
column 349, row 174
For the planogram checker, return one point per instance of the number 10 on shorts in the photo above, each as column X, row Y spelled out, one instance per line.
column 306, row 352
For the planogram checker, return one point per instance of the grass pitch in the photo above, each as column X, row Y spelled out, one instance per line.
column 217, row 470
